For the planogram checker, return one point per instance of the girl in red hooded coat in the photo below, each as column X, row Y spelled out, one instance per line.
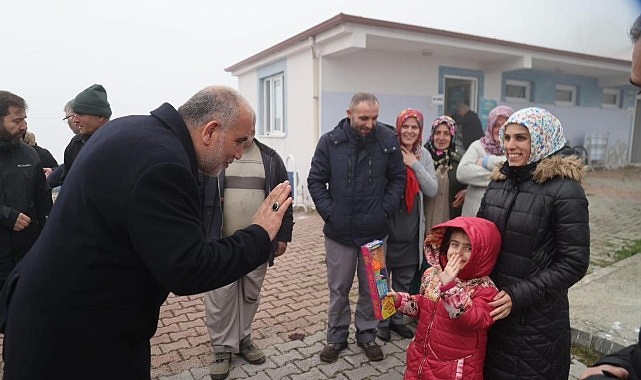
column 452, row 306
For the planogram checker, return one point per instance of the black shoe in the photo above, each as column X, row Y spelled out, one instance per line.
column 372, row 351
column 329, row 354
column 383, row 334
column 402, row 330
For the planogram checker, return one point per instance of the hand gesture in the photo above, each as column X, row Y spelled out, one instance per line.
column 271, row 211
column 409, row 158
column 451, row 270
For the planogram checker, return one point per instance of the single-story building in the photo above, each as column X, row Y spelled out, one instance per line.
column 302, row 86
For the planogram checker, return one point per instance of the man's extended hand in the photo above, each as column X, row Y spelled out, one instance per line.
column 620, row 373
column 266, row 216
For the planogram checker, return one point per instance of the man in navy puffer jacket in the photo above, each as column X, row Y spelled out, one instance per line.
column 356, row 180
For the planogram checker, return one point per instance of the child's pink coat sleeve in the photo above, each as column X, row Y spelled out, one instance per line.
column 407, row 304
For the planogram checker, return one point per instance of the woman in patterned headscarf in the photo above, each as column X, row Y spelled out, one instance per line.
column 537, row 202
column 480, row 159
column 451, row 193
column 405, row 239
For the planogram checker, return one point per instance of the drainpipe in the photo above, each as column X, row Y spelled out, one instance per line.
column 315, row 89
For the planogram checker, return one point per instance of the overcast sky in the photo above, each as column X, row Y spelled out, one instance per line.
column 146, row 52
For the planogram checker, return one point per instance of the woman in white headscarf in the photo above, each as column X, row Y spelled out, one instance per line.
column 539, row 206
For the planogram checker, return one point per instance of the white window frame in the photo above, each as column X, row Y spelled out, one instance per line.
column 617, row 98
column 518, row 83
column 571, row 89
column 273, row 101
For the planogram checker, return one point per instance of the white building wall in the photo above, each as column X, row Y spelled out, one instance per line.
column 247, row 85
column 402, row 80
column 399, row 81
column 298, row 143
column 492, row 86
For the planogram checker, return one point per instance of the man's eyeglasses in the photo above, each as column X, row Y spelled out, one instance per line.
column 68, row 117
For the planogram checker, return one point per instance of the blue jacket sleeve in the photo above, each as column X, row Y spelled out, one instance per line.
column 318, row 178
column 395, row 182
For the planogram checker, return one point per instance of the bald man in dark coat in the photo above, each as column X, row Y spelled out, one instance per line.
column 125, row 232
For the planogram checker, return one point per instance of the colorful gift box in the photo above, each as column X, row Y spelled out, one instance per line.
column 377, row 279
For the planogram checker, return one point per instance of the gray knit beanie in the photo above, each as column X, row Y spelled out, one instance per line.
column 92, row 101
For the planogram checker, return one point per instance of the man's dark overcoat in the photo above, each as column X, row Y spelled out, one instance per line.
column 124, row 232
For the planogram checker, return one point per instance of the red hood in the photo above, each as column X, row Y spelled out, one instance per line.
column 486, row 244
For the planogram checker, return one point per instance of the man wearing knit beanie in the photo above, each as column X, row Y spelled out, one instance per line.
column 91, row 110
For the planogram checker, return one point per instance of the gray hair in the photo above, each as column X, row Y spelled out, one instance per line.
column 215, row 103
column 361, row 97
column 635, row 30
column 29, row 138
column 69, row 107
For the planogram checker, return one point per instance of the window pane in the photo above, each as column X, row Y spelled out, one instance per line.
column 273, row 104
column 278, row 104
column 609, row 99
column 267, row 94
column 564, row 96
column 513, row 91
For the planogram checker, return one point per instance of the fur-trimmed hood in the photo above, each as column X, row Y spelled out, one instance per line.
column 557, row 165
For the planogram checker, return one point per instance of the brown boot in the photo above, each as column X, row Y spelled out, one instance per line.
column 251, row 353
column 219, row 369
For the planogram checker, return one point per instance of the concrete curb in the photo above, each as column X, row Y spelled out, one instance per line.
column 592, row 335
column 598, row 341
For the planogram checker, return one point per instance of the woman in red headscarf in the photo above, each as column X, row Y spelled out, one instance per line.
column 405, row 241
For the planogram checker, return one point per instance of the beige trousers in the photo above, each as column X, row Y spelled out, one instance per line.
column 230, row 310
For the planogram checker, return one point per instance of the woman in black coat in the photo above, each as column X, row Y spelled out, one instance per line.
column 537, row 202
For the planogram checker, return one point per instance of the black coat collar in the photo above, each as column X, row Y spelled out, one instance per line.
column 172, row 120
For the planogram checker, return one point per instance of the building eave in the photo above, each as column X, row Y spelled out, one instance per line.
column 342, row 19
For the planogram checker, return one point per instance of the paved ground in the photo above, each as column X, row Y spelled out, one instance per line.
column 291, row 321
column 605, row 308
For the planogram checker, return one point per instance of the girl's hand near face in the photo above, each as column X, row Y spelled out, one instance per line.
column 451, row 270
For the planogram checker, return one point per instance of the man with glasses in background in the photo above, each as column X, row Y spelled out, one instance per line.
column 55, row 178
column 69, row 117
column 91, row 110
